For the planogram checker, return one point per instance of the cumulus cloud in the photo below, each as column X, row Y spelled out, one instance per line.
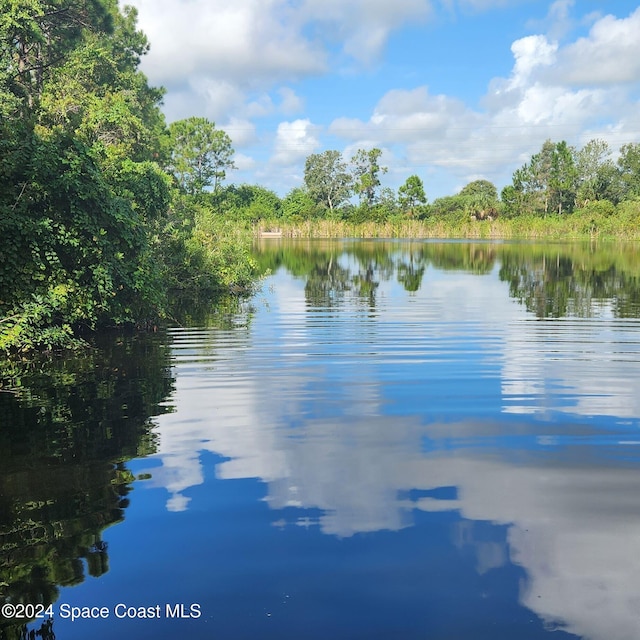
column 243, row 162
column 256, row 43
column 295, row 141
column 609, row 55
column 246, row 41
column 432, row 129
column 363, row 26
column 290, row 102
column 212, row 55
column 530, row 54
column 403, row 115
column 241, row 131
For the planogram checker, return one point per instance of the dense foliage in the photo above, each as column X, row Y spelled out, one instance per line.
column 99, row 213
column 200, row 154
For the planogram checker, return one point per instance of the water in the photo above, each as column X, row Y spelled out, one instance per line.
column 391, row 440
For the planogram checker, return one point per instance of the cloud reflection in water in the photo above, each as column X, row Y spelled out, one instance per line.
column 368, row 426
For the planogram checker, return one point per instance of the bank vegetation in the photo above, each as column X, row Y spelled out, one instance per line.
column 102, row 220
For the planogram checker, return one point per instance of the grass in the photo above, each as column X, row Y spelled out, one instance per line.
column 581, row 225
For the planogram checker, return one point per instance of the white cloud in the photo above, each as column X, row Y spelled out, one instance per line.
column 530, row 53
column 433, row 130
column 241, row 131
column 362, row 26
column 609, row 55
column 247, row 42
column 213, row 46
column 558, row 21
column 294, row 142
column 291, row 103
column 221, row 96
column 204, row 96
column 243, row 162
column 404, row 116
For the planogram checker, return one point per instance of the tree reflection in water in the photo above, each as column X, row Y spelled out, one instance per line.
column 550, row 280
column 68, row 427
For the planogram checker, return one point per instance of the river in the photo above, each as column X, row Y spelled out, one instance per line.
column 391, row 439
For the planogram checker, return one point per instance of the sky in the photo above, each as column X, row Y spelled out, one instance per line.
column 449, row 90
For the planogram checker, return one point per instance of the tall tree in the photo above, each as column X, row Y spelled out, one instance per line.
column 366, row 172
column 563, row 180
column 298, row 203
column 327, row 179
column 533, row 179
column 513, row 199
column 80, row 197
column 37, row 35
column 629, row 166
column 200, row 154
column 481, row 198
column 594, row 171
column 481, row 189
column 98, row 95
column 411, row 194
column 549, row 181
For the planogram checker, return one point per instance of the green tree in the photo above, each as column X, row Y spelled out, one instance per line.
column 481, row 189
column 513, row 200
column 411, row 194
column 248, row 202
column 481, row 198
column 593, row 163
column 611, row 184
column 298, row 203
column 327, row 179
column 200, row 154
column 563, row 180
column 629, row 167
column 366, row 174
column 36, row 35
column 532, row 180
column 97, row 95
column 450, row 206
column 549, row 181
column 81, row 199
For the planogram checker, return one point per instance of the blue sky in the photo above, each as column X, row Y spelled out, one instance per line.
column 450, row 90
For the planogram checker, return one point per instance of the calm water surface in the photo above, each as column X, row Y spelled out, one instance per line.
column 391, row 440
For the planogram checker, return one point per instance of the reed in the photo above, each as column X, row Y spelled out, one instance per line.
column 577, row 226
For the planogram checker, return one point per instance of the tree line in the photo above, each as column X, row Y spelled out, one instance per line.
column 561, row 178
column 558, row 180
